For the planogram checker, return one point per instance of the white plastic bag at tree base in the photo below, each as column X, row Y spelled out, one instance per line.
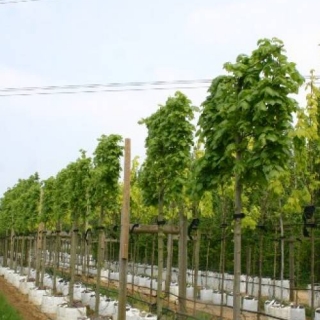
column 25, row 286
column 92, row 302
column 49, row 303
column 129, row 278
column 230, row 300
column 316, row 295
column 107, row 307
column 317, row 314
column 36, row 295
column 217, row 298
column 250, row 304
column 189, row 293
column 174, row 292
column 2, row 270
column 267, row 305
column 297, row 313
column 206, row 295
column 68, row 313
column 85, row 297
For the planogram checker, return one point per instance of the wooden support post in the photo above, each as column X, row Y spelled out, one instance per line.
column 124, row 237
column 165, row 229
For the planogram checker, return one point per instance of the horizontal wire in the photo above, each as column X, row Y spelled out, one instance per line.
column 101, row 91
column 108, row 85
column 17, row 1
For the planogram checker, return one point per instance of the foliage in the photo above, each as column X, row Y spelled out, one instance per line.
column 249, row 112
column 106, row 173
column 169, row 141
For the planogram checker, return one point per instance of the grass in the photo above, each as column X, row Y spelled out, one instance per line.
column 6, row 311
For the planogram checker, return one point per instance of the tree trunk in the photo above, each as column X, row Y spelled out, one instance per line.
column 237, row 249
column 222, row 266
column 312, row 273
column 282, row 258
column 16, row 253
column 44, row 255
column 73, row 254
column 169, row 262
column 160, row 256
column 260, row 270
column 11, row 248
column 39, row 253
column 5, row 254
column 101, row 244
column 249, row 252
column 196, row 268
column 183, row 254
column 291, row 267
column 124, row 236
column 56, row 257
column 23, row 254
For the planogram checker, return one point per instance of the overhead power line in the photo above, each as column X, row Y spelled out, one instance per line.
column 110, row 87
column 16, row 1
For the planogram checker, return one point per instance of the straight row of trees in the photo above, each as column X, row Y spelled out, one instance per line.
column 251, row 161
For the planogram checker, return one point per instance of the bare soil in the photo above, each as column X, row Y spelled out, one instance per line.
column 19, row 301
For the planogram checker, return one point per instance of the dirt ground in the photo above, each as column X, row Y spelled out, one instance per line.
column 20, row 302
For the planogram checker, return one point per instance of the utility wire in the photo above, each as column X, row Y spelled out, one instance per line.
column 109, row 87
column 16, row 1
column 101, row 91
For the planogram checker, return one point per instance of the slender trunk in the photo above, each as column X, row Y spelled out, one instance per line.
column 16, row 253
column 23, row 254
column 160, row 255
column 169, row 262
column 124, row 237
column 183, row 254
column 39, row 252
column 249, row 251
column 5, row 255
column 44, row 255
column 275, row 266
column 73, row 253
column 312, row 273
column 222, row 267
column 101, row 244
column 30, row 254
column 152, row 265
column 282, row 258
column 237, row 248
column 196, row 268
column 260, row 271
column 11, row 248
column 56, row 257
column 291, row 268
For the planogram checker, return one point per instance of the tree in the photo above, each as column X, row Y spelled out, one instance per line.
column 244, row 126
column 79, row 175
column 165, row 171
column 105, row 184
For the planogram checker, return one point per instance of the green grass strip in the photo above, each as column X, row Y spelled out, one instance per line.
column 6, row 311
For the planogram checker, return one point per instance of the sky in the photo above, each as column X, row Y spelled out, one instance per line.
column 61, row 42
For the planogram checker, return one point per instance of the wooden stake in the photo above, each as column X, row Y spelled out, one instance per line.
column 124, row 237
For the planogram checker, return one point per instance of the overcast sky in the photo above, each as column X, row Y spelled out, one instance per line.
column 57, row 42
